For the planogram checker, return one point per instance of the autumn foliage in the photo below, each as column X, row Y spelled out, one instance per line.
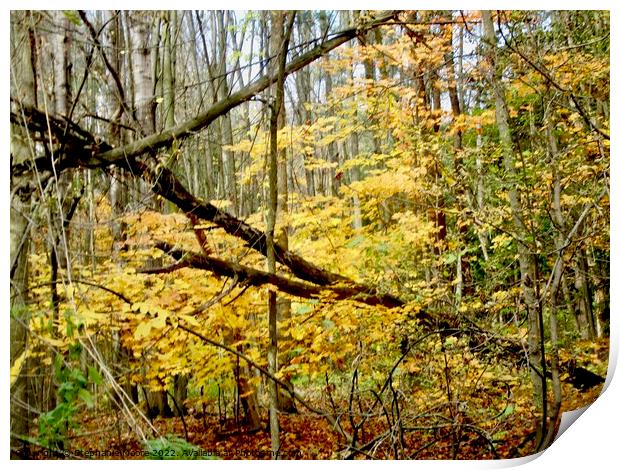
column 442, row 269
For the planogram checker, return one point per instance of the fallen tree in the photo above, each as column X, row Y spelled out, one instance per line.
column 256, row 277
column 74, row 147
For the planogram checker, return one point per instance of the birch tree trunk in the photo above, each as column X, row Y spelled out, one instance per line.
column 144, row 100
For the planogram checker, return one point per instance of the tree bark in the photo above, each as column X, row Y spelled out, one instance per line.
column 258, row 278
column 145, row 113
column 23, row 88
column 279, row 48
column 526, row 259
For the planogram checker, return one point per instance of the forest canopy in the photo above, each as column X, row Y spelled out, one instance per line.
column 306, row 234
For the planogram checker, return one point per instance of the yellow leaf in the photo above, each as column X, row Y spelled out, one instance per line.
column 57, row 343
column 17, row 367
column 297, row 333
column 189, row 319
column 159, row 321
column 142, row 331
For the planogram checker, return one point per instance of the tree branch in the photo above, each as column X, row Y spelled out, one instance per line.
column 167, row 185
column 258, row 278
column 166, row 137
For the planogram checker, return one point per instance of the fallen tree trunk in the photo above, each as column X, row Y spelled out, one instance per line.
column 255, row 277
column 165, row 184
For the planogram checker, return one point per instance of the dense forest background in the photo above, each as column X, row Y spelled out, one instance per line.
column 306, row 234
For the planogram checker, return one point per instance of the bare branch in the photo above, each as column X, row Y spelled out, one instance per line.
column 258, row 278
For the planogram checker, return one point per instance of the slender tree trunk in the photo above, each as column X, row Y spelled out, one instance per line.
column 206, row 97
column 168, row 72
column 285, row 402
column 23, row 88
column 462, row 264
column 526, row 259
column 554, row 413
column 355, row 173
column 272, row 207
column 169, row 103
column 584, row 296
column 303, row 86
column 332, row 184
column 280, row 42
column 482, row 233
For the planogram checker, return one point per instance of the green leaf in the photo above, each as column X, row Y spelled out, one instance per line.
column 303, row 309
column 73, row 16
column 86, row 397
column 94, row 376
column 355, row 241
column 174, row 448
column 507, row 411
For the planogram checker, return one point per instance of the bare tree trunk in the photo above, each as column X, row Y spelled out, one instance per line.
column 205, row 97
column 59, row 40
column 355, row 173
column 482, row 233
column 554, row 413
column 242, row 159
column 169, row 102
column 332, row 185
column 303, row 86
column 526, row 260
column 143, row 81
column 462, row 263
column 285, row 401
column 272, row 207
column 370, row 75
column 113, row 41
column 140, row 23
column 584, row 297
column 280, row 40
column 222, row 91
column 23, row 88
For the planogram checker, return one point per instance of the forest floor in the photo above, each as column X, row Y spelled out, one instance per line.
column 106, row 436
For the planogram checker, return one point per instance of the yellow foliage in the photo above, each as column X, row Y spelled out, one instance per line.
column 17, row 366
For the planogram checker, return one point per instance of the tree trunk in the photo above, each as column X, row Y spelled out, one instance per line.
column 23, row 88
column 556, row 282
column 332, row 185
column 526, row 258
column 272, row 207
column 304, row 90
column 145, row 115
